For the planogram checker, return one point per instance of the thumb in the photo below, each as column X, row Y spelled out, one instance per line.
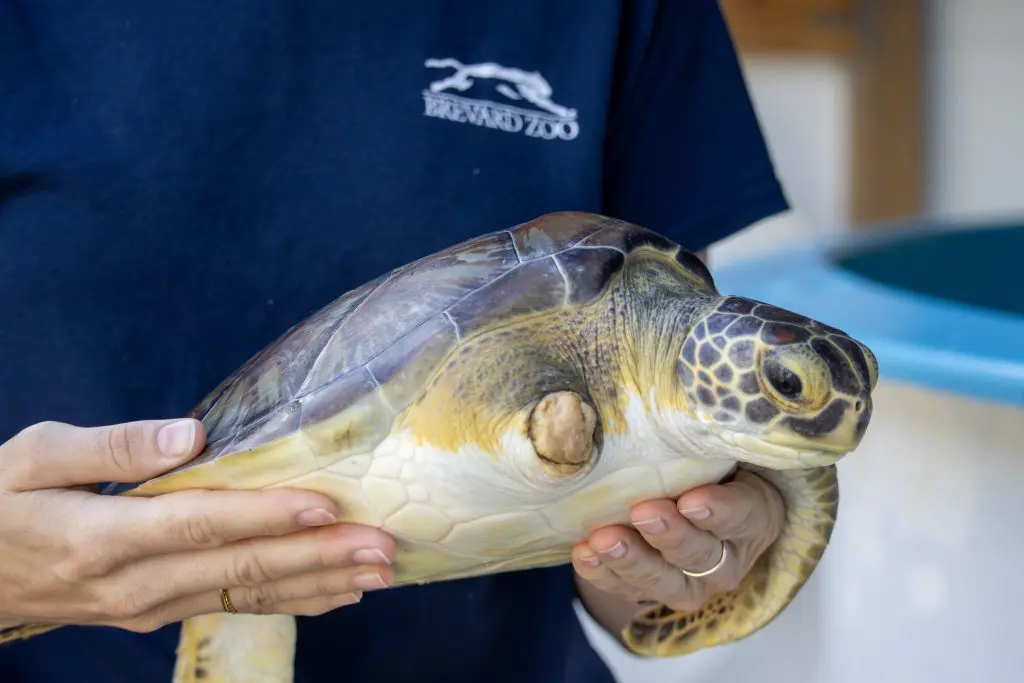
column 58, row 455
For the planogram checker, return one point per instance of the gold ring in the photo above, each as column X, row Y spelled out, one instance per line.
column 718, row 565
column 225, row 601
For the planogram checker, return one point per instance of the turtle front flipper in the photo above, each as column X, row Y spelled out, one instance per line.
column 812, row 500
column 219, row 648
column 236, row 648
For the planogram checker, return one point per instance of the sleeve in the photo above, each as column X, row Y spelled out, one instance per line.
column 684, row 153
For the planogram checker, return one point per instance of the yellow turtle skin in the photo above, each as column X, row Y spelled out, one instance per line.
column 494, row 403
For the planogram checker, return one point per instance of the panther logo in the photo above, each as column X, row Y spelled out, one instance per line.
column 529, row 85
column 545, row 120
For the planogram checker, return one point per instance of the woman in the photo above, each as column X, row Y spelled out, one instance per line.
column 181, row 181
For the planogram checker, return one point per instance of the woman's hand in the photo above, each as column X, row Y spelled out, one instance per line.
column 619, row 566
column 70, row 555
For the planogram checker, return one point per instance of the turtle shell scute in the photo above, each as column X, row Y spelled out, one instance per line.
column 383, row 340
column 627, row 238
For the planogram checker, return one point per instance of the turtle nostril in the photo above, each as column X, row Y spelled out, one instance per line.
column 859, row 405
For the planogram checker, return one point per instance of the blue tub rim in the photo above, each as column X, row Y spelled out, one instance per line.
column 918, row 338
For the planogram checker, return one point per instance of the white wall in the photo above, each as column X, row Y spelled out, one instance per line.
column 804, row 107
column 976, row 95
column 974, row 164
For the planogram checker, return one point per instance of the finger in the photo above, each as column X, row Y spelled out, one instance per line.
column 210, row 603
column 280, row 597
column 251, row 563
column 642, row 567
column 131, row 528
column 682, row 544
column 588, row 565
column 58, row 455
column 323, row 583
column 314, row 607
column 747, row 508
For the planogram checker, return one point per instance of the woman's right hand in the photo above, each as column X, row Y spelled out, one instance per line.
column 69, row 555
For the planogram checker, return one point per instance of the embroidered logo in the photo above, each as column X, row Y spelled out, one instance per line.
column 546, row 120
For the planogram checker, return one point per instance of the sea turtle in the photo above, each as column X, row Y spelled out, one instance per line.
column 493, row 403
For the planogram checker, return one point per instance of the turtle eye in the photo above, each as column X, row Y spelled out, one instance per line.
column 796, row 380
column 783, row 381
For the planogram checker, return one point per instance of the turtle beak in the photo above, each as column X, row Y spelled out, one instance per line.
column 837, row 429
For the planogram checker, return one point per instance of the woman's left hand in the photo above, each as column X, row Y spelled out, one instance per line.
column 647, row 561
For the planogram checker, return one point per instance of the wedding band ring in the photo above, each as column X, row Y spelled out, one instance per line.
column 718, row 565
column 225, row 601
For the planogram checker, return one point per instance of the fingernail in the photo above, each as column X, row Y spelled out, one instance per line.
column 616, row 551
column 347, row 599
column 369, row 581
column 370, row 556
column 590, row 560
column 655, row 525
column 700, row 512
column 175, row 440
column 317, row 517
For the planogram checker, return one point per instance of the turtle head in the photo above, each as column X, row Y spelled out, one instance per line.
column 776, row 388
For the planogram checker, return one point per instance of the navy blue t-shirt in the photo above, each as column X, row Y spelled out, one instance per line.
column 180, row 181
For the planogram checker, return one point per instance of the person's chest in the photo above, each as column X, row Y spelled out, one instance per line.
column 318, row 117
column 280, row 131
column 184, row 181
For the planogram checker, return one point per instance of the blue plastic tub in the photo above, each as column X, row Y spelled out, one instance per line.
column 942, row 307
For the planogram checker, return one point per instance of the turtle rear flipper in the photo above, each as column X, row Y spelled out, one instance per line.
column 236, row 648
column 218, row 648
column 812, row 501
